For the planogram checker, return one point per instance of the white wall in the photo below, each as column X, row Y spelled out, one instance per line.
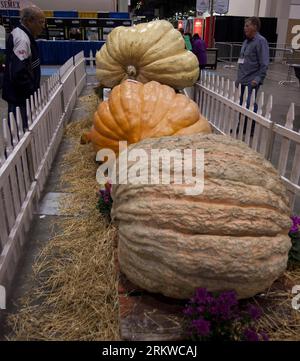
column 282, row 14
column 265, row 8
column 123, row 6
column 80, row 5
column 242, row 7
column 295, row 12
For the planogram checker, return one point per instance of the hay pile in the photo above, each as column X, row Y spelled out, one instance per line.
column 89, row 103
column 74, row 296
column 280, row 320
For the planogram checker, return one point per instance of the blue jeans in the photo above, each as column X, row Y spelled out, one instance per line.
column 250, row 90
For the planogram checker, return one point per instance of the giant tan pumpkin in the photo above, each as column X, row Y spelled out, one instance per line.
column 232, row 236
column 151, row 51
column 136, row 111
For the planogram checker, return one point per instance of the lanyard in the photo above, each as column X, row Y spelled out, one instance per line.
column 244, row 48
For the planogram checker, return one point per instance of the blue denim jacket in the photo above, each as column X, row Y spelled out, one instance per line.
column 255, row 53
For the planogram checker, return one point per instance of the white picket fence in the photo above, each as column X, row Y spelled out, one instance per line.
column 26, row 158
column 219, row 102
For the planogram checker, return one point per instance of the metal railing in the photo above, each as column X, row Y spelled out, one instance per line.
column 282, row 60
column 230, row 52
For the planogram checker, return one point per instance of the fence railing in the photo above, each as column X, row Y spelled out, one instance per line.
column 231, row 51
column 91, row 61
column 26, row 158
column 219, row 102
column 282, row 55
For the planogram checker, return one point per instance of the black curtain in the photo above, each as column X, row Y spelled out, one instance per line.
column 231, row 29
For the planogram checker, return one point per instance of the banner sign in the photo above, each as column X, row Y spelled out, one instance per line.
column 221, row 6
column 180, row 24
column 202, row 6
column 14, row 5
column 293, row 40
column 198, row 27
column 293, row 34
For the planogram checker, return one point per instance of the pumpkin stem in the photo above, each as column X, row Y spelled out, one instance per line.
column 131, row 71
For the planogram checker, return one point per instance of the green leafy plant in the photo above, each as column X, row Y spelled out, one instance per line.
column 294, row 233
column 105, row 201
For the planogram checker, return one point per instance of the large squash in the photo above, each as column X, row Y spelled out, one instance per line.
column 151, row 51
column 136, row 111
column 232, row 236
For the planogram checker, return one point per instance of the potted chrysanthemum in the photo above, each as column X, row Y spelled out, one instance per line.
column 294, row 233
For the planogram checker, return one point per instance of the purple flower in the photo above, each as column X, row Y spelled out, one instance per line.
column 296, row 222
column 200, row 309
column 202, row 327
column 189, row 311
column 295, row 219
column 254, row 312
column 217, row 316
column 214, row 308
column 228, row 297
column 225, row 311
column 251, row 335
column 201, row 295
column 294, row 229
column 105, row 195
column 225, row 306
column 108, row 187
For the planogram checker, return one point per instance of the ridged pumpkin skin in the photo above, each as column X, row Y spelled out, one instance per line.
column 136, row 111
column 145, row 52
column 233, row 236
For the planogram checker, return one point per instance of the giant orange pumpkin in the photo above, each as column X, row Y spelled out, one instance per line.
column 136, row 111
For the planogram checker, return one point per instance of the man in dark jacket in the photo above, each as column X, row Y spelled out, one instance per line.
column 22, row 69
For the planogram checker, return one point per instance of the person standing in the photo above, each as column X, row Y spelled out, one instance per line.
column 22, row 69
column 199, row 49
column 186, row 39
column 253, row 61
